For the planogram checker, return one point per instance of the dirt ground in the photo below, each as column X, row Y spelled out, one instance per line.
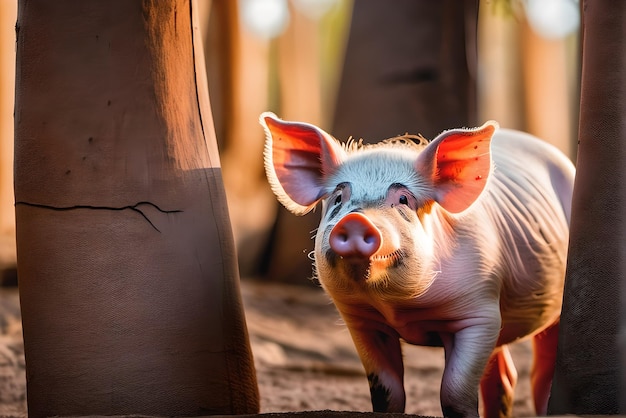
column 303, row 354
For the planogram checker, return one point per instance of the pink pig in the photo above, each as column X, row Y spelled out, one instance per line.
column 460, row 243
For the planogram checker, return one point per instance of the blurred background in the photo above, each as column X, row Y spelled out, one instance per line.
column 370, row 69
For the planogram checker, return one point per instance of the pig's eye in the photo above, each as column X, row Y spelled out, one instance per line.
column 342, row 191
column 398, row 195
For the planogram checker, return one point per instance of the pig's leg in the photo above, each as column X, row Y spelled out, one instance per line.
column 498, row 384
column 381, row 356
column 544, row 358
column 467, row 352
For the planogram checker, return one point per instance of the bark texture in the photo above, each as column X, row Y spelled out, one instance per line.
column 587, row 376
column 128, row 276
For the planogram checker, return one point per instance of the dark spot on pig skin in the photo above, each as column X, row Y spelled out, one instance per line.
column 505, row 407
column 397, row 260
column 379, row 393
column 356, row 269
column 451, row 412
column 433, row 339
column 332, row 258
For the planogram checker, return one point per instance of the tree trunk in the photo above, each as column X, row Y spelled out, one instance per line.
column 408, row 68
column 300, row 93
column 587, row 376
column 244, row 86
column 128, row 277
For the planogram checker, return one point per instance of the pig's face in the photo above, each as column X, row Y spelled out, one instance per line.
column 375, row 236
column 382, row 184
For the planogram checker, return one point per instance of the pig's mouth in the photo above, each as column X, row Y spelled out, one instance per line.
column 384, row 262
column 389, row 260
column 359, row 268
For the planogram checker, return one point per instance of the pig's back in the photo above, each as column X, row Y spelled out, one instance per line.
column 528, row 200
column 521, row 155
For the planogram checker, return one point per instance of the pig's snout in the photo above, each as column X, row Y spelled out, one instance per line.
column 355, row 236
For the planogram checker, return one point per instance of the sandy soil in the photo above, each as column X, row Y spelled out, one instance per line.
column 303, row 353
column 12, row 374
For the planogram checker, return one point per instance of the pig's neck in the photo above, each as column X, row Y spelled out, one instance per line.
column 440, row 228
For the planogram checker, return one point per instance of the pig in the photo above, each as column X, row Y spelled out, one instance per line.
column 459, row 242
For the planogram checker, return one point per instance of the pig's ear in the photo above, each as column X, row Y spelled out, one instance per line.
column 298, row 157
column 458, row 164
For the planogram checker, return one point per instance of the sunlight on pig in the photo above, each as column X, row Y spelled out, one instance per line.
column 460, row 242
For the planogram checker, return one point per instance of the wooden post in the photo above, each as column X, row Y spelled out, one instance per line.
column 128, row 275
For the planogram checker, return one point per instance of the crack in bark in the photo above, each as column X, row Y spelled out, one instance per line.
column 134, row 208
